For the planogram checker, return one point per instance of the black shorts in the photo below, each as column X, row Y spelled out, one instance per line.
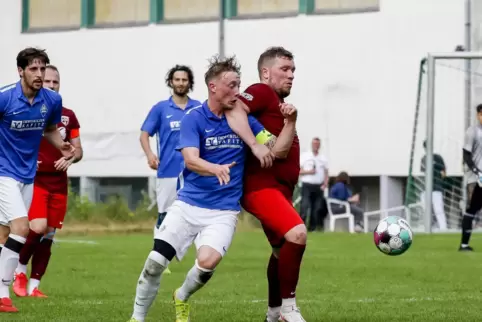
column 474, row 196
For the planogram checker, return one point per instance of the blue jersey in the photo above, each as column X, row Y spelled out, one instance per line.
column 164, row 119
column 218, row 144
column 21, row 128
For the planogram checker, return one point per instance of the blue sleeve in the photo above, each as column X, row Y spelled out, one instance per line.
column 3, row 104
column 152, row 123
column 56, row 115
column 189, row 136
column 256, row 127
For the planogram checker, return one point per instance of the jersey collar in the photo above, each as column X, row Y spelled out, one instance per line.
column 210, row 114
column 190, row 103
column 38, row 98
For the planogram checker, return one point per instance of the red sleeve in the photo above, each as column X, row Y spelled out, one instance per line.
column 257, row 97
column 74, row 122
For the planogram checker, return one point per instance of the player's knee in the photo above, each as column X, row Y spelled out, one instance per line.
column 208, row 258
column 205, row 274
column 39, row 226
column 297, row 235
column 20, row 227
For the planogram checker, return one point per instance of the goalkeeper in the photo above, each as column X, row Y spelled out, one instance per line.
column 473, row 160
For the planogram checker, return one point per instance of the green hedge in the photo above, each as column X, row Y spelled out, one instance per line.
column 116, row 209
column 81, row 209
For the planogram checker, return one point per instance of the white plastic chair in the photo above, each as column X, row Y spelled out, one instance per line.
column 347, row 215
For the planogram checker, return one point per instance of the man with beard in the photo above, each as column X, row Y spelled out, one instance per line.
column 164, row 121
column 27, row 112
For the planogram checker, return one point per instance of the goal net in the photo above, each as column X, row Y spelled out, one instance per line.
column 443, row 129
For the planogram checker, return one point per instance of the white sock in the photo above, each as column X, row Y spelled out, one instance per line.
column 21, row 269
column 464, row 245
column 196, row 278
column 32, row 284
column 8, row 263
column 288, row 305
column 148, row 284
column 273, row 313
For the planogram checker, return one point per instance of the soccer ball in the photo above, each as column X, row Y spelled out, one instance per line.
column 393, row 236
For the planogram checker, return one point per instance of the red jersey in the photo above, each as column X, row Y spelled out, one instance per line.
column 263, row 103
column 47, row 176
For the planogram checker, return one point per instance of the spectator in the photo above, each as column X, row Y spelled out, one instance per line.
column 341, row 191
column 314, row 179
column 439, row 174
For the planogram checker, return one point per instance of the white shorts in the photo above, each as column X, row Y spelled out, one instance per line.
column 184, row 223
column 166, row 193
column 15, row 199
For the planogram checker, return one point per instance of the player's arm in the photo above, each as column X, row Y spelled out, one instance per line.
column 52, row 135
column 75, row 141
column 254, row 99
column 149, row 128
column 280, row 145
column 196, row 164
column 189, row 145
column 50, row 132
column 467, row 151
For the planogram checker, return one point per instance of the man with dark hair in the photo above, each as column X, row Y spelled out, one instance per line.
column 439, row 174
column 164, row 121
column 472, row 154
column 27, row 111
column 268, row 193
column 49, row 203
column 211, row 187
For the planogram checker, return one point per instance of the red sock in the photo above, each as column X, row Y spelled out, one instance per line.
column 33, row 239
column 290, row 258
column 41, row 259
column 274, row 295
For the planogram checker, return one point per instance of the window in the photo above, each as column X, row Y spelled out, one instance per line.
column 121, row 11
column 190, row 9
column 258, row 7
column 53, row 14
column 346, row 5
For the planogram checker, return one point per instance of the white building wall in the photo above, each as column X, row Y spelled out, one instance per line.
column 355, row 84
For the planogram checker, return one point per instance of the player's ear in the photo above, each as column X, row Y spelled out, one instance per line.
column 20, row 72
column 212, row 87
column 264, row 73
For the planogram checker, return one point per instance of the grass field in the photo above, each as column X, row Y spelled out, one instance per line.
column 344, row 278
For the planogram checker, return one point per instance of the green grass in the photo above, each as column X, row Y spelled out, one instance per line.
column 344, row 278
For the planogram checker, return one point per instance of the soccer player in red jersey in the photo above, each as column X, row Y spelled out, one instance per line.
column 268, row 192
column 49, row 203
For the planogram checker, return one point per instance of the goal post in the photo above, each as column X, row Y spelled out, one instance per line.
column 443, row 112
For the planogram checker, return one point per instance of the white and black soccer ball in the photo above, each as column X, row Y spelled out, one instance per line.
column 393, row 236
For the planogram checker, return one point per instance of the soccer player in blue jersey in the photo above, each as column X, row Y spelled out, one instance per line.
column 27, row 111
column 164, row 120
column 211, row 183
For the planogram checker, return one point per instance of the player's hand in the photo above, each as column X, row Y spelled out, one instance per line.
column 63, row 164
column 67, row 150
column 289, row 111
column 264, row 155
column 153, row 161
column 221, row 171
